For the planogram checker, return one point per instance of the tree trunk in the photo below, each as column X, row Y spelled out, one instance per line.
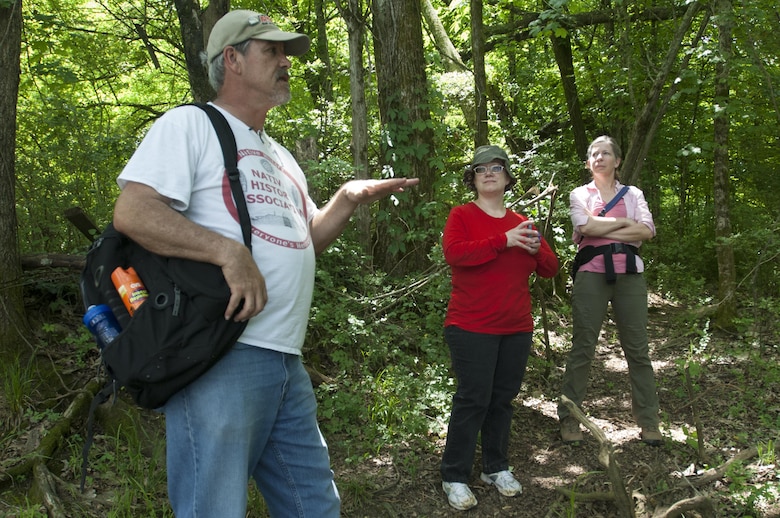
column 13, row 320
column 195, row 27
column 563, row 56
column 480, row 78
column 319, row 78
column 356, row 33
column 725, row 252
column 451, row 60
column 643, row 130
column 403, row 239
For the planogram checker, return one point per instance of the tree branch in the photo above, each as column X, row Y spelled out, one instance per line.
column 606, row 457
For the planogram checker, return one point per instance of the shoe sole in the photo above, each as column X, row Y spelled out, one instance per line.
column 457, row 508
column 651, row 438
column 461, row 508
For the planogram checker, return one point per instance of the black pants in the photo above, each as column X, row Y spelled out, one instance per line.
column 489, row 370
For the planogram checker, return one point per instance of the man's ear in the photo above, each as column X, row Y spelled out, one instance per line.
column 231, row 56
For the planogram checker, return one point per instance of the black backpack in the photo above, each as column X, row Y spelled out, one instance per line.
column 179, row 332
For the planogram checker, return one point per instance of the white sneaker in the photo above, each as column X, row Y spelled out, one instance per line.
column 459, row 495
column 504, row 481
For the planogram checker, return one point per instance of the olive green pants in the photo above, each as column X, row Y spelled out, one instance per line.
column 590, row 298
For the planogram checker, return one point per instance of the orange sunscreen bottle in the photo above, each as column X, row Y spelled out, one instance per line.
column 130, row 288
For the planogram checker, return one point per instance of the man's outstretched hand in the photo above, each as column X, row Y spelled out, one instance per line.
column 367, row 191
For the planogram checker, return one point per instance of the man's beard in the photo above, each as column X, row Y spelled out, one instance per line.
column 282, row 97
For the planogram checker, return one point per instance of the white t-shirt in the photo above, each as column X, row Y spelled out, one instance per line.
column 181, row 158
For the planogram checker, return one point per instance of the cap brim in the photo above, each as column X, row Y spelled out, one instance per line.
column 294, row 44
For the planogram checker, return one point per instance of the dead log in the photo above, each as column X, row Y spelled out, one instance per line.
column 85, row 225
column 623, row 501
column 702, row 503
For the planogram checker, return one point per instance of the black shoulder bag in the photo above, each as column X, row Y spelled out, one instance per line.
column 180, row 331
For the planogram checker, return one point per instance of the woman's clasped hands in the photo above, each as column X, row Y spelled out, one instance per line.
column 525, row 236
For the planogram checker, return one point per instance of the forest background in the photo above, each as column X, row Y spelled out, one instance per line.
column 397, row 88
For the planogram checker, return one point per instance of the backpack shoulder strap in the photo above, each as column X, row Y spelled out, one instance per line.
column 229, row 150
column 614, row 201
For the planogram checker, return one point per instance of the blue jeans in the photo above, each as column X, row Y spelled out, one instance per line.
column 251, row 415
column 489, row 370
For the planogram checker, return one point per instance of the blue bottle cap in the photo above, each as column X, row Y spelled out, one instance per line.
column 93, row 311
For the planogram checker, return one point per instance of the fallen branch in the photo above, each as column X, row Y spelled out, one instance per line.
column 700, row 503
column 623, row 501
column 37, row 261
column 53, row 438
column 713, row 474
column 44, row 483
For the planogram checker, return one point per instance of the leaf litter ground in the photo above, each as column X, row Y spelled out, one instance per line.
column 736, row 411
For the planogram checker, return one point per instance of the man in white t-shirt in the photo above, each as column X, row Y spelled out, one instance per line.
column 252, row 415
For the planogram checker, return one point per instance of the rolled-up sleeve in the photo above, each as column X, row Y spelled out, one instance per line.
column 639, row 210
column 578, row 210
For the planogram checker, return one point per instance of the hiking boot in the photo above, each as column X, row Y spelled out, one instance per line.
column 650, row 435
column 570, row 430
column 459, row 495
column 504, row 481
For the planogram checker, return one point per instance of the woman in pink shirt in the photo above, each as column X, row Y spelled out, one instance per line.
column 608, row 269
column 492, row 252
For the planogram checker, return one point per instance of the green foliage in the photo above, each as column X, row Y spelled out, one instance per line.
column 395, row 406
column 381, row 336
column 89, row 89
column 550, row 21
column 133, row 459
column 743, row 491
column 17, row 383
column 87, row 92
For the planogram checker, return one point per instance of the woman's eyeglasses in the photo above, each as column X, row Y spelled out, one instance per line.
column 495, row 169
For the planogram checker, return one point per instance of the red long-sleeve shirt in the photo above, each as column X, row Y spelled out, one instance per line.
column 490, row 291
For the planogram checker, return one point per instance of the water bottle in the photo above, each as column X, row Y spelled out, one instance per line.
column 101, row 322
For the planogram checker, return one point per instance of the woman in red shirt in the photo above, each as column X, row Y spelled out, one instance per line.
column 492, row 252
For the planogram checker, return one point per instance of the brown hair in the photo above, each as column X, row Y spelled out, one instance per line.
column 612, row 143
column 609, row 140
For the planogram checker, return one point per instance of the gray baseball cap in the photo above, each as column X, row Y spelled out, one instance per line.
column 241, row 25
